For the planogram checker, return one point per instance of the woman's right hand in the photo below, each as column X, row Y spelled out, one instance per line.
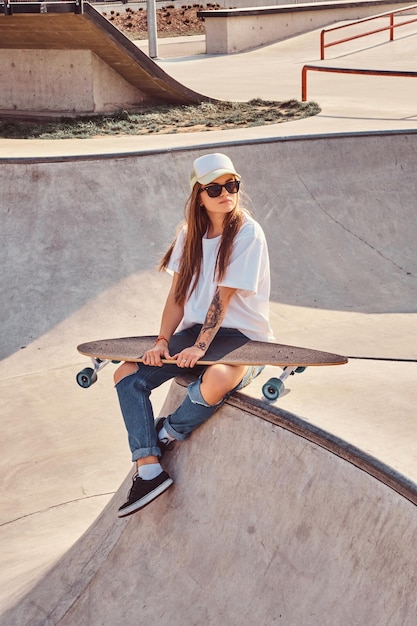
column 154, row 355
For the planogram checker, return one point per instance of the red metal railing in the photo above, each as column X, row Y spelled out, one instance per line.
column 391, row 27
column 345, row 70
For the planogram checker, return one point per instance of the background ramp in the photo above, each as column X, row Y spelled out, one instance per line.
column 89, row 31
column 281, row 531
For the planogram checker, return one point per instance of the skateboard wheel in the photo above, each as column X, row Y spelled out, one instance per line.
column 273, row 388
column 300, row 370
column 86, row 377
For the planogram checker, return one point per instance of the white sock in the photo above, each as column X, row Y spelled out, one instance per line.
column 147, row 472
column 163, row 434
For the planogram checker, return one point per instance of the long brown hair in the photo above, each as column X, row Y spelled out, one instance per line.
column 197, row 221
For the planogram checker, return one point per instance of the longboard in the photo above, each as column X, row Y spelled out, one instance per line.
column 229, row 350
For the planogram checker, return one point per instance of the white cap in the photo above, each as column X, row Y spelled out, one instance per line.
column 209, row 167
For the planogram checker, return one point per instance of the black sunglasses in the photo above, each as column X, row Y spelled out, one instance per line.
column 214, row 190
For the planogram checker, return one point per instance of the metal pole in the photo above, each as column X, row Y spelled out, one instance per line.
column 304, row 84
column 152, row 31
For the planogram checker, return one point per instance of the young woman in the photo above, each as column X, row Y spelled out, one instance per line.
column 220, row 287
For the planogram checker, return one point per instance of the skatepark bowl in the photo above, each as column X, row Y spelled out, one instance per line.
column 273, row 517
column 300, row 512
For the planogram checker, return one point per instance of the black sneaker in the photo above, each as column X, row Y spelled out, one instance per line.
column 143, row 492
column 164, row 444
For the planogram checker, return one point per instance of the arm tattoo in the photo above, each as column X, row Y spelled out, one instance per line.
column 214, row 314
column 213, row 320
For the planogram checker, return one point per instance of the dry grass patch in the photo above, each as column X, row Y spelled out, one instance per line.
column 165, row 119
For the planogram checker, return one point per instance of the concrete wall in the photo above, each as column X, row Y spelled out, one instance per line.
column 61, row 81
column 111, row 91
column 236, row 30
column 356, row 253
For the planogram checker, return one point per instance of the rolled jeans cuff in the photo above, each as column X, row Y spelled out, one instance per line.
column 141, row 453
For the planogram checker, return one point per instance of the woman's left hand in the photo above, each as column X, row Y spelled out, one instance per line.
column 189, row 356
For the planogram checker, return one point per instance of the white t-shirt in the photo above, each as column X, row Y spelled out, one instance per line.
column 248, row 272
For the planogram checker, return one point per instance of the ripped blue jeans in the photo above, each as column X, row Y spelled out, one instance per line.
column 134, row 397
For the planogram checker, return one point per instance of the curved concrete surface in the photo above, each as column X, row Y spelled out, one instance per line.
column 80, row 241
column 339, row 213
column 262, row 526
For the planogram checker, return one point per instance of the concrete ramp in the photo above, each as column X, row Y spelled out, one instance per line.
column 78, row 64
column 269, row 521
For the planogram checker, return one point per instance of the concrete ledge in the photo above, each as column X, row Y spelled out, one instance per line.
column 236, row 30
column 300, row 427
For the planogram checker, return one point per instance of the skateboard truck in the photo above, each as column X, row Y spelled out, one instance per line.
column 274, row 387
column 88, row 376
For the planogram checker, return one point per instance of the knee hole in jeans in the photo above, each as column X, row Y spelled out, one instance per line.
column 123, row 371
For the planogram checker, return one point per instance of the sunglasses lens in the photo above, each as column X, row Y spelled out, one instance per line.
column 213, row 191
column 232, row 186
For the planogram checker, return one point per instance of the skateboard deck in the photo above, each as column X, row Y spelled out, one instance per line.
column 229, row 350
